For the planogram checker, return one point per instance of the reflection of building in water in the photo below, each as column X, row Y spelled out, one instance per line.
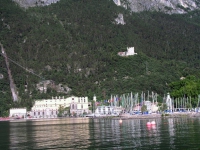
column 18, row 134
column 154, row 131
column 171, row 126
column 171, row 131
column 129, row 130
column 49, row 107
column 44, row 134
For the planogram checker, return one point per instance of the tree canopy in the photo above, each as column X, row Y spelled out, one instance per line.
column 79, row 41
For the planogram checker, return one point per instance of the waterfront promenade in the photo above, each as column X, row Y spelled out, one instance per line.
column 124, row 116
column 154, row 116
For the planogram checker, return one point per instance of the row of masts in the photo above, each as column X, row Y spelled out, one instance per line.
column 132, row 101
column 184, row 103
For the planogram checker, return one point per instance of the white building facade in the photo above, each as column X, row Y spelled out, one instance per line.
column 107, row 110
column 49, row 108
column 17, row 113
column 130, row 52
column 151, row 107
column 79, row 105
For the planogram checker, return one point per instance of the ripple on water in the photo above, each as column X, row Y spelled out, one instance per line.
column 85, row 133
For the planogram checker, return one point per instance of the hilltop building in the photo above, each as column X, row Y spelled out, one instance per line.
column 130, row 52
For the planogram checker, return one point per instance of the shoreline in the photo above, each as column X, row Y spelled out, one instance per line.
column 168, row 115
column 123, row 117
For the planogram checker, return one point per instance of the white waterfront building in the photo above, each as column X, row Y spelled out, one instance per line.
column 151, row 107
column 48, row 108
column 17, row 113
column 107, row 110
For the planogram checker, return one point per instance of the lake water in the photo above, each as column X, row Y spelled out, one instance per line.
column 87, row 133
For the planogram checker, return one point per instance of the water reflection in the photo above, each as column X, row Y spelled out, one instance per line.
column 131, row 133
column 85, row 133
column 60, row 133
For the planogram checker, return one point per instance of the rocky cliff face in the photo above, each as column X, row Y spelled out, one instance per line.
column 33, row 3
column 167, row 6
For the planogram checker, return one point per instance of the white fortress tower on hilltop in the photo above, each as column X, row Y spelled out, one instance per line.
column 130, row 51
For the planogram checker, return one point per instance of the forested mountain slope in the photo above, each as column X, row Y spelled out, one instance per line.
column 75, row 43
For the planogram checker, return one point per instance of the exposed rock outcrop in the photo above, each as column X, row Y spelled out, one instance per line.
column 33, row 3
column 167, row 6
column 49, row 84
column 120, row 19
column 1, row 76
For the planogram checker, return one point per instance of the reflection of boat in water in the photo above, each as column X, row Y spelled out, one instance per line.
column 95, row 115
column 90, row 115
column 100, row 115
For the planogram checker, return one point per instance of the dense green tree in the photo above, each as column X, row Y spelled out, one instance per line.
column 80, row 41
column 186, row 87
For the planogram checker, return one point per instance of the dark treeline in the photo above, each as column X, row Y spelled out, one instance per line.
column 79, row 40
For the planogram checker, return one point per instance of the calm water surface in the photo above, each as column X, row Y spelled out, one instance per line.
column 86, row 133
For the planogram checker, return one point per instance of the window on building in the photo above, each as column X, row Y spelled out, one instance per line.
column 79, row 100
column 84, row 100
column 81, row 106
column 52, row 112
column 34, row 113
column 38, row 113
column 43, row 113
column 72, row 106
